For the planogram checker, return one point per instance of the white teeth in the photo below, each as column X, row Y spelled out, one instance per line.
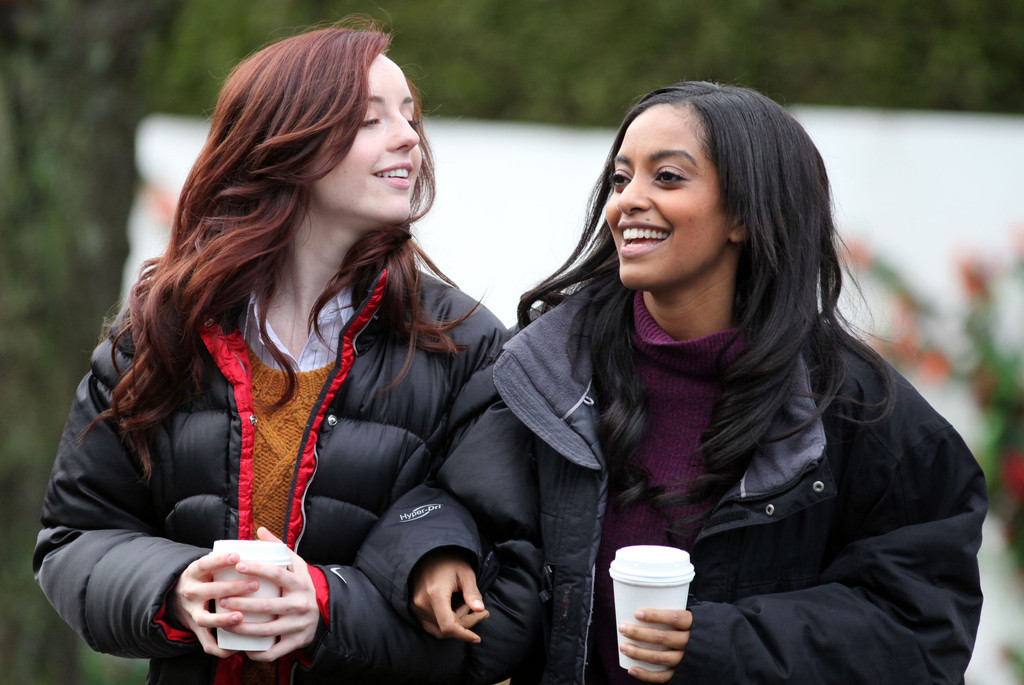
column 638, row 233
column 394, row 173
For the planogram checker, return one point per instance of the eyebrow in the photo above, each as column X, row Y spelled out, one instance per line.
column 660, row 155
column 378, row 100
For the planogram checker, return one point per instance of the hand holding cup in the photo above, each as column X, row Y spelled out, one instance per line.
column 665, row 643
column 194, row 591
column 287, row 618
column 252, row 555
column 651, row 584
column 236, row 585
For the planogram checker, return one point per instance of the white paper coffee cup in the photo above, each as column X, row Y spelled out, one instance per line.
column 648, row 577
column 261, row 552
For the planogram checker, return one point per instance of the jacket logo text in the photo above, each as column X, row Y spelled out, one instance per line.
column 418, row 512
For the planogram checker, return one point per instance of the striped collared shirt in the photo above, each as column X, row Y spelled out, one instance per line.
column 317, row 352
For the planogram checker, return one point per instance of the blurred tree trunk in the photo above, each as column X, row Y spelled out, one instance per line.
column 69, row 105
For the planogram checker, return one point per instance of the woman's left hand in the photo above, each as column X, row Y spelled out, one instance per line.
column 296, row 613
column 674, row 640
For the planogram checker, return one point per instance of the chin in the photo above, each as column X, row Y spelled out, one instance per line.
column 399, row 216
column 395, row 219
column 632, row 280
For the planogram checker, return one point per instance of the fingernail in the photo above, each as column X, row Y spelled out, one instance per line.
column 242, row 567
column 639, row 615
column 253, row 586
column 622, row 628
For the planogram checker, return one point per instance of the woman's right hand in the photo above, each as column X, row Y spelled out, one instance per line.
column 435, row 580
column 193, row 592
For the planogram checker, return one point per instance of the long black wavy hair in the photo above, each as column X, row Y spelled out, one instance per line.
column 790, row 274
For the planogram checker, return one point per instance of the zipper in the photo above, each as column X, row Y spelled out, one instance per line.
column 590, row 619
column 305, row 493
column 315, row 437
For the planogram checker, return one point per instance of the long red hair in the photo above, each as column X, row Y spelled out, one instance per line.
column 285, row 117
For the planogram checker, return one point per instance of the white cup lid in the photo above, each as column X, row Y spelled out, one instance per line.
column 652, row 563
column 255, row 550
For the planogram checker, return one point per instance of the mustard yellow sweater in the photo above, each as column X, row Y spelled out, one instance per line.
column 275, row 452
column 278, row 433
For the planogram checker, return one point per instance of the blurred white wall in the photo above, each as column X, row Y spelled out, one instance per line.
column 920, row 188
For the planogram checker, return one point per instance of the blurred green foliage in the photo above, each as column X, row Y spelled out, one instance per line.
column 68, row 108
column 77, row 75
column 576, row 62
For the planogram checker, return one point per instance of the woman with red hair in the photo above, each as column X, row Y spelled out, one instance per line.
column 284, row 371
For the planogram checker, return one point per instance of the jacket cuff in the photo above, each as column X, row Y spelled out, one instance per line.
column 172, row 631
column 323, row 597
column 707, row 653
column 323, row 592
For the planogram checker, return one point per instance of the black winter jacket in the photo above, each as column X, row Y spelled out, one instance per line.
column 846, row 554
column 112, row 546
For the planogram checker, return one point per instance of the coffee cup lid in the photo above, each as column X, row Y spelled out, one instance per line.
column 255, row 550
column 652, row 564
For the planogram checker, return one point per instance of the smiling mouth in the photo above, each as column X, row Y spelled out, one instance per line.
column 393, row 173
column 630, row 235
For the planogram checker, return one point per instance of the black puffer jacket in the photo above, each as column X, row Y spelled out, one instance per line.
column 846, row 554
column 112, row 546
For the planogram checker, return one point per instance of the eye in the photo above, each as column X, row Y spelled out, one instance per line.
column 370, row 122
column 415, row 124
column 618, row 179
column 668, row 176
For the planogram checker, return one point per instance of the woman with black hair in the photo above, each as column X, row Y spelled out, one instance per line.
column 690, row 381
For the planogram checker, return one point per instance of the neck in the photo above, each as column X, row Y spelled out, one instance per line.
column 689, row 318
column 314, row 260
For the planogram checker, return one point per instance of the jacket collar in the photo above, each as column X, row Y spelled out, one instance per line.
column 779, row 463
column 544, row 376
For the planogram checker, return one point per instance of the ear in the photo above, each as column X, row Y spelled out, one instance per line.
column 738, row 232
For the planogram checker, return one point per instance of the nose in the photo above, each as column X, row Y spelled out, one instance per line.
column 405, row 135
column 632, row 198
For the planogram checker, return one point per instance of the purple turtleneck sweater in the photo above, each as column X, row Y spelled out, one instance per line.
column 681, row 379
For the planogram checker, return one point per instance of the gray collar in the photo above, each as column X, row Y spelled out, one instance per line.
column 777, row 464
column 544, row 376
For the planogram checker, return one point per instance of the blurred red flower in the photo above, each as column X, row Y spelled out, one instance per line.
column 1013, row 474
column 975, row 278
column 935, row 365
